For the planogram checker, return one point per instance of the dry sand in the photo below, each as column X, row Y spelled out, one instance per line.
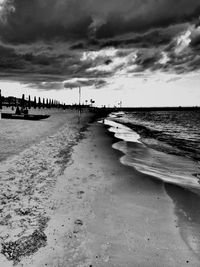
column 102, row 213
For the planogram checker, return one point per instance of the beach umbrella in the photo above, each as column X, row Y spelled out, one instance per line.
column 29, row 102
column 52, row 103
column 92, row 102
column 35, row 102
column 23, row 101
column 39, row 103
column 47, row 103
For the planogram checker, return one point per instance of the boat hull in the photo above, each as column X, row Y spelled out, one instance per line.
column 31, row 117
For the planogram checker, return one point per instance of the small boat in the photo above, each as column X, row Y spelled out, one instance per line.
column 32, row 117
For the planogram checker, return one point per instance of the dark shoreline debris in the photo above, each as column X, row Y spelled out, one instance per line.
column 78, row 222
column 24, row 246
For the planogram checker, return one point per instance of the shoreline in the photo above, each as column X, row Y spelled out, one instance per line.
column 185, row 202
column 93, row 210
column 108, row 214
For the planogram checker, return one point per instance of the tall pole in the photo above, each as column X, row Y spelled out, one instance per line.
column 0, row 100
column 79, row 96
column 79, row 99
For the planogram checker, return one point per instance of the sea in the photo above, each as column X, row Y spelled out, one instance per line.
column 163, row 144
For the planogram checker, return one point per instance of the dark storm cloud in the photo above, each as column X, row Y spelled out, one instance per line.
column 195, row 37
column 147, row 60
column 76, row 19
column 45, row 62
column 195, row 43
column 152, row 38
column 44, row 20
column 47, row 38
column 8, row 58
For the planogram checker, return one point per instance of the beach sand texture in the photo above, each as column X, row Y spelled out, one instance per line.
column 68, row 201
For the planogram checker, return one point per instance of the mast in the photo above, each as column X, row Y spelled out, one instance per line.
column 0, row 100
column 79, row 93
column 79, row 96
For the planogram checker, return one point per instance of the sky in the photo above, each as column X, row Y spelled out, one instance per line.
column 134, row 52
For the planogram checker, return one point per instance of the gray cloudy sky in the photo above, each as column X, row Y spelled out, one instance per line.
column 123, row 49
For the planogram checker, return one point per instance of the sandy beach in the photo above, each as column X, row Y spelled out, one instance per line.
column 86, row 210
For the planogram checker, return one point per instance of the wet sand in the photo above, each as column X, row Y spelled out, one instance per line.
column 107, row 214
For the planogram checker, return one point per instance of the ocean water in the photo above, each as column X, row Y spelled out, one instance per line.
column 163, row 144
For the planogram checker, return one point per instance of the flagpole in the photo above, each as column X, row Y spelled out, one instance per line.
column 0, row 100
column 79, row 99
column 79, row 96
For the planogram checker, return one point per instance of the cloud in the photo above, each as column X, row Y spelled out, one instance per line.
column 6, row 8
column 101, row 54
column 164, row 58
column 63, row 40
column 195, row 37
column 149, row 39
column 29, row 21
column 84, row 82
column 67, row 84
column 100, row 83
column 183, row 42
column 47, row 85
column 173, row 79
